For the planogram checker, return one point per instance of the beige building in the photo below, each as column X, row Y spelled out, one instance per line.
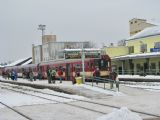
column 137, row 25
column 48, row 38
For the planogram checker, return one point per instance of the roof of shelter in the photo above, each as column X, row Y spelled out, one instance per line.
column 137, row 56
column 19, row 62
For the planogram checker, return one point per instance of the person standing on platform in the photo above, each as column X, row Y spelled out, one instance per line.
column 13, row 74
column 60, row 74
column 52, row 73
column 48, row 75
column 96, row 73
column 30, row 75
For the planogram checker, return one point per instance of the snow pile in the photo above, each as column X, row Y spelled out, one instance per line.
column 122, row 114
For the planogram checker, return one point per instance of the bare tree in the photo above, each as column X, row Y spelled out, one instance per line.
column 121, row 43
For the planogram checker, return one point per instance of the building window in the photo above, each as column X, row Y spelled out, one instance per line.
column 143, row 48
column 131, row 49
column 131, row 22
column 135, row 22
column 153, row 66
column 157, row 45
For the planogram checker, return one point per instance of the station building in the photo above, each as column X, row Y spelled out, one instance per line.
column 139, row 55
column 51, row 49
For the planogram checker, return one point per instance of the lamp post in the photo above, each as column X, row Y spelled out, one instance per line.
column 83, row 58
column 42, row 28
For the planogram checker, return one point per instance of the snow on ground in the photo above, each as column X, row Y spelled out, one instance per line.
column 69, row 84
column 16, row 99
column 108, row 92
column 121, row 114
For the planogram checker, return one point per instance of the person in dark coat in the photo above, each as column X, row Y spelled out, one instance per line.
column 96, row 73
column 48, row 75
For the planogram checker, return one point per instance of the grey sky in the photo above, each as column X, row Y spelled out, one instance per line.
column 101, row 21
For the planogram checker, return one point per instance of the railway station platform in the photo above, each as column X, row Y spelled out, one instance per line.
column 132, row 98
column 86, row 90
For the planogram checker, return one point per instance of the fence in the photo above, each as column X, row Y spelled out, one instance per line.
column 103, row 83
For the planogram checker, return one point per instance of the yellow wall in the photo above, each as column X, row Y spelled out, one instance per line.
column 116, row 51
column 148, row 40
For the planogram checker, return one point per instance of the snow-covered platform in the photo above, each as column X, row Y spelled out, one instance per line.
column 133, row 98
column 66, row 87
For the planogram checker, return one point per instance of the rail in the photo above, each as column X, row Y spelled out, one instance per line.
column 103, row 83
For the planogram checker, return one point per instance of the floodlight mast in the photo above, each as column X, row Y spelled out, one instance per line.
column 42, row 28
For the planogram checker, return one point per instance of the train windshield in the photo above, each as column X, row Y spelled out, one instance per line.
column 102, row 64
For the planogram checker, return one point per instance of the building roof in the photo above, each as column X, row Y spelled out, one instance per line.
column 19, row 62
column 150, row 31
column 27, row 62
column 137, row 56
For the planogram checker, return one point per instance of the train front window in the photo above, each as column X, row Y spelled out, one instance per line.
column 101, row 64
column 96, row 63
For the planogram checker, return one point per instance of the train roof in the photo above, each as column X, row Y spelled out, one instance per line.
column 64, row 61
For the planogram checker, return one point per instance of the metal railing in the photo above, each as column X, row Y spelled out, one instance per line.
column 103, row 83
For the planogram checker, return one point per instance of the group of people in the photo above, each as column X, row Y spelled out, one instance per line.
column 10, row 74
column 51, row 74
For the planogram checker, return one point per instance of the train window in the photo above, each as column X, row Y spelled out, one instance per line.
column 88, row 64
column 63, row 69
column 96, row 63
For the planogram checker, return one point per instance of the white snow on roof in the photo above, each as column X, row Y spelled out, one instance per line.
column 135, row 56
column 16, row 62
column 86, row 49
column 150, row 31
column 121, row 114
column 27, row 62
column 153, row 22
column 1, row 66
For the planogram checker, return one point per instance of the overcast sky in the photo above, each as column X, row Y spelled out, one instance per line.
column 101, row 21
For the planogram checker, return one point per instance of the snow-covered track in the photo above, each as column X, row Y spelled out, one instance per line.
column 86, row 101
column 18, row 112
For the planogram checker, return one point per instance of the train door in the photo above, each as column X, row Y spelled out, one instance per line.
column 68, row 71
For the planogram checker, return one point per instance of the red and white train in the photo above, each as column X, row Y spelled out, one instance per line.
column 69, row 66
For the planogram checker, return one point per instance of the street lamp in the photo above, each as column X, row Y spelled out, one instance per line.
column 42, row 28
column 83, row 66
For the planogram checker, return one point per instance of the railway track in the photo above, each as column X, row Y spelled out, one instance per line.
column 74, row 99
column 18, row 112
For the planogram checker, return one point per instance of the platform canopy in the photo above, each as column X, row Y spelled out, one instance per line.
column 138, row 56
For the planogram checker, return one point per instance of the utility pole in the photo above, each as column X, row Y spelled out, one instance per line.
column 83, row 70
